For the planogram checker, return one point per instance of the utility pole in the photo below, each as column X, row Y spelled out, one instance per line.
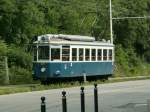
column 120, row 18
column 111, row 25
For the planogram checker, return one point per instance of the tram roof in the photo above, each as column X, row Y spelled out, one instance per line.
column 61, row 39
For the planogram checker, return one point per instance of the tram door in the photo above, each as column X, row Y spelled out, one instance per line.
column 66, row 65
column 55, row 60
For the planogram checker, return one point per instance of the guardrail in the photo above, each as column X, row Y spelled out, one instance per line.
column 82, row 100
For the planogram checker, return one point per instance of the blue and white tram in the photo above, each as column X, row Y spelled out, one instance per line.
column 70, row 56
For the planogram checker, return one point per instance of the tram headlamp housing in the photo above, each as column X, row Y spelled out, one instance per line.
column 43, row 69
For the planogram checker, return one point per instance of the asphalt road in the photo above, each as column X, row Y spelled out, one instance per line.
column 131, row 96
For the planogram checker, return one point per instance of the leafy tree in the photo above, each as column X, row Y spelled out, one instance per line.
column 7, row 15
column 31, row 21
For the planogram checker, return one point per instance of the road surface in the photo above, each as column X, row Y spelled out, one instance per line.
column 130, row 96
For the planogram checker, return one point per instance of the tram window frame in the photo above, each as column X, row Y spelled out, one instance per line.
column 87, row 54
column 65, row 53
column 105, row 52
column 42, row 51
column 110, row 54
column 99, row 54
column 53, row 57
column 81, row 54
column 93, row 54
column 74, row 57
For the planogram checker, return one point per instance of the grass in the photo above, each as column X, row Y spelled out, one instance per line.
column 36, row 87
column 140, row 70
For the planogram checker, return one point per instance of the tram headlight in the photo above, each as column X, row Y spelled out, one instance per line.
column 43, row 69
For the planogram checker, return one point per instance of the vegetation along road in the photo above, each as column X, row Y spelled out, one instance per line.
column 130, row 96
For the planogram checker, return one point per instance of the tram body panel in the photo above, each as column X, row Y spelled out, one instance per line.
column 74, row 69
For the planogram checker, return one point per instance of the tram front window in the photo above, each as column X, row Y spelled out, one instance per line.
column 55, row 54
column 43, row 52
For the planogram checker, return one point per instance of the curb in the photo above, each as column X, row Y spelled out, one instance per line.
column 128, row 78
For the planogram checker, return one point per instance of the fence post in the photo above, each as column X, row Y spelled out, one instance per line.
column 95, row 97
column 64, row 102
column 43, row 105
column 84, row 77
column 82, row 100
column 7, row 72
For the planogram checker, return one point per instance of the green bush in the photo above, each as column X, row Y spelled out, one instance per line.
column 20, row 65
column 126, row 61
column 121, row 61
column 18, row 57
column 20, row 75
column 2, row 78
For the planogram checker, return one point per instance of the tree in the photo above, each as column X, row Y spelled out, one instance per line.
column 7, row 15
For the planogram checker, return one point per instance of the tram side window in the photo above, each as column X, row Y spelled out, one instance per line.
column 74, row 54
column 105, row 54
column 93, row 54
column 99, row 54
column 55, row 54
column 43, row 52
column 65, row 53
column 87, row 54
column 80, row 54
column 110, row 54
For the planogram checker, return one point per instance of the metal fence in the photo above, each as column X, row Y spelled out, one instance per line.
column 82, row 100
